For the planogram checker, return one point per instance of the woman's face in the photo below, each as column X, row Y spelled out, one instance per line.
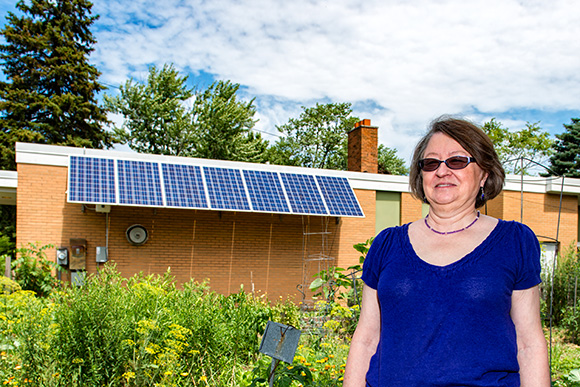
column 453, row 187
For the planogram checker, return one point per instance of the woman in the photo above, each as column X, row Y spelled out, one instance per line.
column 451, row 299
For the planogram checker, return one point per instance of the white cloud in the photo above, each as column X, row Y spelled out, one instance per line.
column 411, row 60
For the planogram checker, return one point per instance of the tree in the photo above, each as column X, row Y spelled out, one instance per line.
column 157, row 118
column 530, row 144
column 566, row 158
column 390, row 163
column 223, row 125
column 50, row 93
column 317, row 139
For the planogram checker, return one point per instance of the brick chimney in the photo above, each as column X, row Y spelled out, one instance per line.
column 363, row 147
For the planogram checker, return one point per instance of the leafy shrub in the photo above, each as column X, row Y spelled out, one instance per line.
column 140, row 331
column 32, row 271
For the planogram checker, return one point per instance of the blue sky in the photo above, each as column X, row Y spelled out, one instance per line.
column 401, row 63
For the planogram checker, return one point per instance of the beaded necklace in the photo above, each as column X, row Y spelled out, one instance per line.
column 452, row 232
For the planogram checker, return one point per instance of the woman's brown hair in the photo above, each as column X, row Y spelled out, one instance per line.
column 474, row 140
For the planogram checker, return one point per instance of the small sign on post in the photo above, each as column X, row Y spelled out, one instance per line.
column 279, row 342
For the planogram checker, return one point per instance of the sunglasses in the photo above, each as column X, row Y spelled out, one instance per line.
column 454, row 162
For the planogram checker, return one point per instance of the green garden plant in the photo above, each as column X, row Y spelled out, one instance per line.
column 33, row 271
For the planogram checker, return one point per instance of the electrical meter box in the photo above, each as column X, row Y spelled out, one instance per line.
column 78, row 254
column 102, row 254
column 62, row 256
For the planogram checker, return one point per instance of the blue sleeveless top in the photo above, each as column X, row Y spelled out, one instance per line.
column 449, row 325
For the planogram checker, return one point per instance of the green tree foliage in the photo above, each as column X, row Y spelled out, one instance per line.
column 223, row 125
column 50, row 93
column 531, row 144
column 7, row 230
column 390, row 163
column 566, row 158
column 157, row 118
column 317, row 139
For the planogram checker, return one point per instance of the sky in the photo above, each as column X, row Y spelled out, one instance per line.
column 401, row 63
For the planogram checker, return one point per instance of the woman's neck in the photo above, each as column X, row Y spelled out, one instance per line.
column 448, row 220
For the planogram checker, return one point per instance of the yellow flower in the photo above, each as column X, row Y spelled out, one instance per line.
column 78, row 360
column 203, row 378
column 184, row 374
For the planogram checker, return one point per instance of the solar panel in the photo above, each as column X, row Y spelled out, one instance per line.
column 339, row 196
column 130, row 182
column 303, row 194
column 139, row 183
column 91, row 180
column 183, row 186
column 265, row 190
column 226, row 189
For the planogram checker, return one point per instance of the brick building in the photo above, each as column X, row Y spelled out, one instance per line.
column 265, row 252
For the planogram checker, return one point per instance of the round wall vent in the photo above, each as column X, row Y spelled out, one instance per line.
column 137, row 235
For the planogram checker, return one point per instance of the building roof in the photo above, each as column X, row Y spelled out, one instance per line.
column 27, row 153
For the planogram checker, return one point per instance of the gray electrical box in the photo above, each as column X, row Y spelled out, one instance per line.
column 102, row 254
column 62, row 256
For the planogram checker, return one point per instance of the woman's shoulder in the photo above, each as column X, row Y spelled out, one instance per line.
column 513, row 226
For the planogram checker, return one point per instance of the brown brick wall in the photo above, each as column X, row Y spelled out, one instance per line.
column 264, row 252
column 541, row 214
column 411, row 208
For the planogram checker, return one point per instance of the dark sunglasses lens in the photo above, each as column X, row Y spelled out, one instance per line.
column 430, row 165
column 457, row 162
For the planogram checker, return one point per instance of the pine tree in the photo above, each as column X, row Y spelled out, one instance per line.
column 566, row 159
column 50, row 93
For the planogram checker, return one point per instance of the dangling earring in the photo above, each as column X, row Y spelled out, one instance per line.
column 482, row 194
column 425, row 200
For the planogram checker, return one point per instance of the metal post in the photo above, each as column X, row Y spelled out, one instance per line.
column 272, row 369
column 8, row 266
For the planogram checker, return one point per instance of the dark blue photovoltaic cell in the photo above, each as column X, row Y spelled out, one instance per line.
column 225, row 189
column 139, row 183
column 339, row 196
column 91, row 180
column 303, row 194
column 183, row 186
column 265, row 191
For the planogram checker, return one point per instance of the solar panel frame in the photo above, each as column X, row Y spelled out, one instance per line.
column 225, row 188
column 91, row 180
column 339, row 196
column 131, row 182
column 184, row 186
column 273, row 198
column 139, row 183
column 303, row 194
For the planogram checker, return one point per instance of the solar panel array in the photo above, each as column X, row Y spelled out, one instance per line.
column 95, row 180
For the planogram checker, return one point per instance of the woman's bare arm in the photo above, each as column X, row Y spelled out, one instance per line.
column 364, row 342
column 532, row 349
